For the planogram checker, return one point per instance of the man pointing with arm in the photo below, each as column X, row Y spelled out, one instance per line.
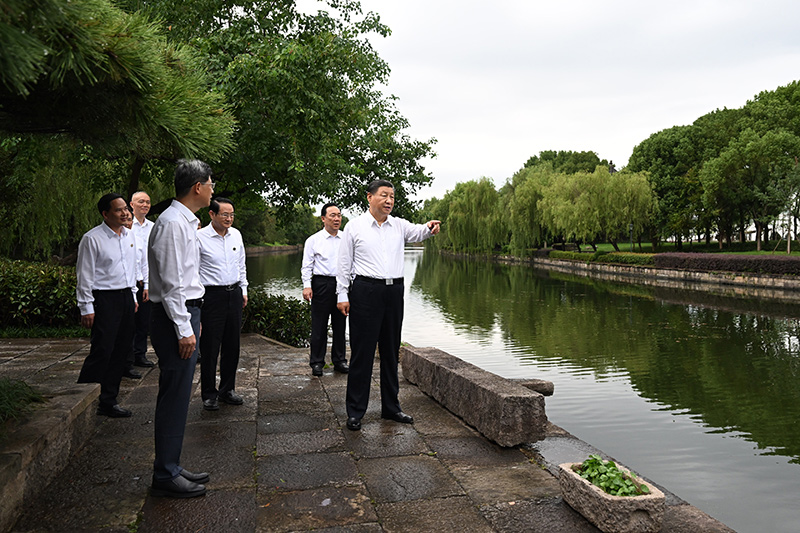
column 370, row 288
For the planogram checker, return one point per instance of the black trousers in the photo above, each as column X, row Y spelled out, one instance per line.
column 174, row 391
column 323, row 305
column 222, row 325
column 142, row 327
column 112, row 335
column 376, row 318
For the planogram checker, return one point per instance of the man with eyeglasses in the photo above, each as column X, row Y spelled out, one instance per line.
column 140, row 203
column 224, row 276
column 177, row 295
column 318, row 272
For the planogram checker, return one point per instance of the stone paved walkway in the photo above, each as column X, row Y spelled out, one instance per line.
column 284, row 462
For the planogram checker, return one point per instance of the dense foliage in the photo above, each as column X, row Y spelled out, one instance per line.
column 16, row 400
column 284, row 319
column 540, row 205
column 37, row 294
column 284, row 105
column 730, row 169
column 762, row 264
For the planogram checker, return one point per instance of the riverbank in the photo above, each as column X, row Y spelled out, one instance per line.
column 727, row 284
column 284, row 461
column 265, row 250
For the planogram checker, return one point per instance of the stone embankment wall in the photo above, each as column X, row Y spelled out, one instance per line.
column 264, row 250
column 783, row 288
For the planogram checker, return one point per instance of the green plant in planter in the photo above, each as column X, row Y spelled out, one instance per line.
column 607, row 476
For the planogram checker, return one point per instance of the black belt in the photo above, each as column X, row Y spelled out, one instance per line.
column 228, row 288
column 380, row 281
column 112, row 291
column 197, row 302
column 318, row 276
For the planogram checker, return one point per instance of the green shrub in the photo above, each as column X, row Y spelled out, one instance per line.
column 626, row 258
column 37, row 294
column 284, row 319
column 763, row 264
column 609, row 477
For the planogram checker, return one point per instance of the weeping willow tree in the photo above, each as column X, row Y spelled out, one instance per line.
column 473, row 222
column 525, row 218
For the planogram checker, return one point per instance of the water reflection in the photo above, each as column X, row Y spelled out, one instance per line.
column 735, row 372
column 696, row 391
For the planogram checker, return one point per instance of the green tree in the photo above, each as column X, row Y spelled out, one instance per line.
column 473, row 220
column 312, row 125
column 567, row 161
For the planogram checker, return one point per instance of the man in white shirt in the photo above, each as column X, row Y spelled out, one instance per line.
column 224, row 275
column 106, row 293
column 318, row 272
column 177, row 295
column 369, row 286
column 140, row 203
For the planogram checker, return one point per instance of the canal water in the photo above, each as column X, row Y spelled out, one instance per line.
column 697, row 392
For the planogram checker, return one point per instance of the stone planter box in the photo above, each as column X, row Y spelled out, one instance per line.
column 612, row 514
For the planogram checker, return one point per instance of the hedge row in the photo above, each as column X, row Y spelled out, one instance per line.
column 284, row 319
column 762, row 264
column 38, row 295
column 627, row 258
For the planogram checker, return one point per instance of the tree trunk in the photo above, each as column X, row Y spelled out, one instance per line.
column 678, row 243
column 759, row 229
column 136, row 172
column 614, row 244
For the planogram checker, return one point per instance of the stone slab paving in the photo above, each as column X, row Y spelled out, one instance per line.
column 284, row 462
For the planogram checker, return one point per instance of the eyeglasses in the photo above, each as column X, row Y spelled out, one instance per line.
column 212, row 184
column 227, row 215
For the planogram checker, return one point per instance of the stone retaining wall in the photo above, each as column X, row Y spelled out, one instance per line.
column 735, row 284
column 500, row 409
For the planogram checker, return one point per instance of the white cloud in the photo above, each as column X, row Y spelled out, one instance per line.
column 498, row 82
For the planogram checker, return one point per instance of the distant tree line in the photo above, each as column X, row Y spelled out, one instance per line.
column 731, row 170
column 556, row 197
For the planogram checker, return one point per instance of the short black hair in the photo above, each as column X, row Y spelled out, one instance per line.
column 214, row 207
column 373, row 187
column 326, row 206
column 187, row 173
column 104, row 204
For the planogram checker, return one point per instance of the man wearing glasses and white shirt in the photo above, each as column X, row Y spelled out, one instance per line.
column 224, row 276
column 177, row 295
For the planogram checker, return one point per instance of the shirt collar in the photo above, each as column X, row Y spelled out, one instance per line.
column 187, row 214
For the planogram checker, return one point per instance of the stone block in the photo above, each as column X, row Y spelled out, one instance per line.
column 500, row 409
column 612, row 514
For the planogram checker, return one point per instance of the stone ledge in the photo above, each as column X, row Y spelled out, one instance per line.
column 500, row 409
column 39, row 449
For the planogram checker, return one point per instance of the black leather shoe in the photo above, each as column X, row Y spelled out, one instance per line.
column 211, row 404
column 342, row 368
column 316, row 369
column 131, row 374
column 114, row 412
column 353, row 424
column 179, row 487
column 201, row 477
column 399, row 417
column 231, row 398
column 144, row 363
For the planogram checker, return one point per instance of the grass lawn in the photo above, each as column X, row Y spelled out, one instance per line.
column 748, row 248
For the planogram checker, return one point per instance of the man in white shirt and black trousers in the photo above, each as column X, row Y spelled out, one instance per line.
column 224, row 275
column 177, row 296
column 106, row 293
column 318, row 272
column 140, row 203
column 370, row 289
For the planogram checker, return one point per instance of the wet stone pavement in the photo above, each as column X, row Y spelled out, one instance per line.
column 285, row 462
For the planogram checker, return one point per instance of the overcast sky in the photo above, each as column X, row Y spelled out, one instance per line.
column 497, row 82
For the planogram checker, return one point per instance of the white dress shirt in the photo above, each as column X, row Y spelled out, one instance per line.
column 174, row 261
column 373, row 250
column 320, row 256
column 142, row 233
column 222, row 258
column 106, row 262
